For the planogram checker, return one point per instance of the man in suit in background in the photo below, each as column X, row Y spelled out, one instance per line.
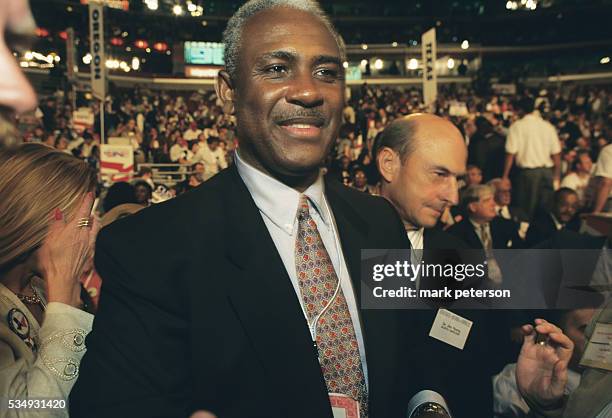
column 503, row 198
column 420, row 157
column 481, row 228
column 260, row 316
column 562, row 216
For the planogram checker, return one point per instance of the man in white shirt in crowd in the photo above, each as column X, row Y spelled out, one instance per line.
column 533, row 145
column 211, row 155
column 179, row 152
column 578, row 179
column 603, row 182
column 192, row 133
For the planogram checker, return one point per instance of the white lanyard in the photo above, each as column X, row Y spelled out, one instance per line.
column 312, row 326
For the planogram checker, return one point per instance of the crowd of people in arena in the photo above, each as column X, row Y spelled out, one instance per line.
column 256, row 275
column 192, row 131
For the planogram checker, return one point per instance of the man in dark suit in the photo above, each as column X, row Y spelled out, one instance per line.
column 486, row 149
column 561, row 217
column 503, row 198
column 419, row 158
column 481, row 228
column 235, row 312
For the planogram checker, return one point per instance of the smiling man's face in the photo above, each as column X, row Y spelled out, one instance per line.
column 288, row 93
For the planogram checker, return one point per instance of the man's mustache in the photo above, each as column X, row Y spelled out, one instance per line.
column 280, row 116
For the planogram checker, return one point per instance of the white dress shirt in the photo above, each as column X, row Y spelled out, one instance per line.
column 415, row 236
column 503, row 211
column 533, row 140
column 604, row 165
column 213, row 161
column 278, row 206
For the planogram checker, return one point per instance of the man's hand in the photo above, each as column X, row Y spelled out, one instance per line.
column 541, row 370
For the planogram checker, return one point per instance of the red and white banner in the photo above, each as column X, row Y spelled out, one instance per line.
column 82, row 119
column 116, row 162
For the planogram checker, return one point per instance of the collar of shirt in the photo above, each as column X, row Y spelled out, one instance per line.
column 477, row 226
column 534, row 114
column 503, row 211
column 415, row 236
column 277, row 201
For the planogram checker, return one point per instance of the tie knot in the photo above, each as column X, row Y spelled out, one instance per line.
column 303, row 206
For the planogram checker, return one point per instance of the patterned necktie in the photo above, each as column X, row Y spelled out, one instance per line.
column 335, row 335
column 485, row 237
column 494, row 271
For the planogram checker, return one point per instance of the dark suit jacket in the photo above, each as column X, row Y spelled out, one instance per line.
column 436, row 239
column 488, row 153
column 543, row 228
column 463, row 377
column 517, row 214
column 503, row 232
column 197, row 312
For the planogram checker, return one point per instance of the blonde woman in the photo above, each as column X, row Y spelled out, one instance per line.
column 46, row 243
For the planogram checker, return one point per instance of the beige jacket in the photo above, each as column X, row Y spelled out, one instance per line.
column 50, row 371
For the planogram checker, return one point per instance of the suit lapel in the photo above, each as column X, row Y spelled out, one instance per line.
column 471, row 235
column 267, row 305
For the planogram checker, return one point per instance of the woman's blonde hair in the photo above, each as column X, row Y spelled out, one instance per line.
column 35, row 180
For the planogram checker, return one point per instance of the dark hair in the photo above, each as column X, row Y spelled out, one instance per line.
column 559, row 194
column 118, row 194
column 143, row 183
column 144, row 170
column 399, row 135
column 577, row 159
column 526, row 104
column 212, row 139
column 483, row 124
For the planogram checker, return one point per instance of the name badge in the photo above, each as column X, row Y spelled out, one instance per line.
column 343, row 406
column 598, row 352
column 450, row 328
